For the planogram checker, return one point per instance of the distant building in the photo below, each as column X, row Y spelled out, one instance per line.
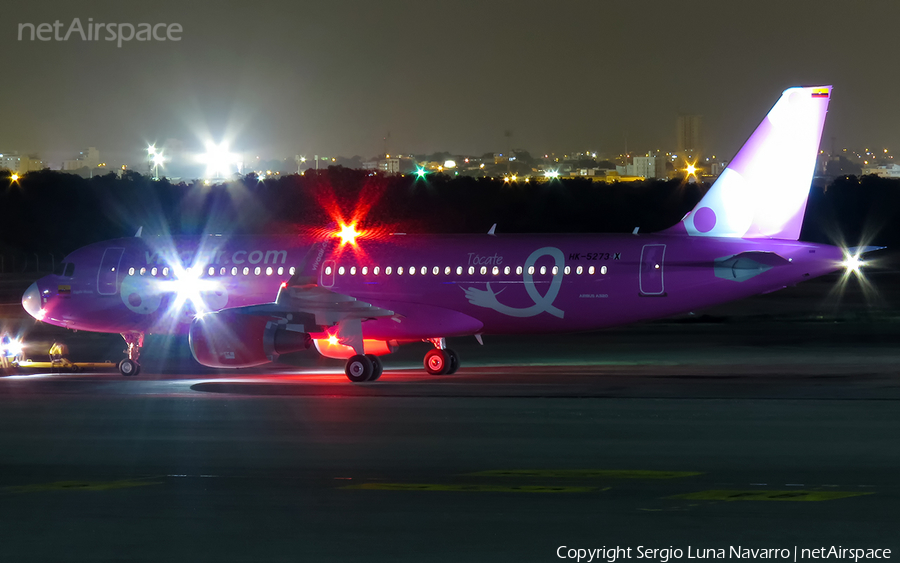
column 687, row 134
column 15, row 162
column 389, row 165
column 85, row 159
column 647, row 167
column 10, row 161
column 883, row 171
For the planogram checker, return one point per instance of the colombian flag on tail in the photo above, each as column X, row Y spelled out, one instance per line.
column 820, row 93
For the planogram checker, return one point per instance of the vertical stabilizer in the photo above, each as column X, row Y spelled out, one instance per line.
column 763, row 192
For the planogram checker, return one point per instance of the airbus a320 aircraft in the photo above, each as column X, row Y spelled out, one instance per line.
column 243, row 301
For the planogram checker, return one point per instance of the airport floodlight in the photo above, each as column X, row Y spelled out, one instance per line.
column 151, row 150
column 420, row 172
column 14, row 178
column 552, row 174
column 157, row 159
column 218, row 160
column 449, row 164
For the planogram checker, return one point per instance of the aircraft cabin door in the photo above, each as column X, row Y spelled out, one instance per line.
column 328, row 273
column 109, row 271
column 651, row 274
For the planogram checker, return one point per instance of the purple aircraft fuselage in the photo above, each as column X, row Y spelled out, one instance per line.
column 245, row 300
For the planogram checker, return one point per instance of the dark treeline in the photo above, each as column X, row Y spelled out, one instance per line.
column 52, row 212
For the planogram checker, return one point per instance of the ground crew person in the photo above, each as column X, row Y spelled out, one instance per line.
column 5, row 352
column 58, row 353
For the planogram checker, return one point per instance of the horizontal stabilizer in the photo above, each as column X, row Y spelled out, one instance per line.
column 746, row 265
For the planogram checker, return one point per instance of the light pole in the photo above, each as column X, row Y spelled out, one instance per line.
column 151, row 152
column 158, row 159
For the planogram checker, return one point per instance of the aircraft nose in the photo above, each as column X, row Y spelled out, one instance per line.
column 31, row 301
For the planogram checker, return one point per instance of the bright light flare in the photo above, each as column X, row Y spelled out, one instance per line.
column 14, row 178
column 348, row 234
column 853, row 264
column 552, row 174
column 13, row 349
column 691, row 169
column 188, row 287
column 420, row 172
column 218, row 160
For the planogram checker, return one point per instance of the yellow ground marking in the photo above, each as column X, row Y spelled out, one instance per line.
column 475, row 488
column 79, row 486
column 586, row 473
column 795, row 495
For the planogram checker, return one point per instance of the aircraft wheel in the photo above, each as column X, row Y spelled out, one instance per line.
column 437, row 362
column 359, row 368
column 377, row 367
column 454, row 361
column 129, row 367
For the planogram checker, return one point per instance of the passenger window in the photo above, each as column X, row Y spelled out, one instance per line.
column 483, row 270
column 591, row 270
column 603, row 270
column 579, row 270
column 234, row 271
column 506, row 271
column 387, row 271
column 495, row 270
column 365, row 270
column 375, row 270
column 471, row 270
column 519, row 270
column 543, row 270
column 447, row 271
column 459, row 270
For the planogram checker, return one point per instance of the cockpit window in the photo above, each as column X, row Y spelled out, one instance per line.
column 59, row 269
column 70, row 270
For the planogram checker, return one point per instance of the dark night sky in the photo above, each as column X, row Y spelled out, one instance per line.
column 286, row 77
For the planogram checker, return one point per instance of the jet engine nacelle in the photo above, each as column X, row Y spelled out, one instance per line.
column 341, row 352
column 229, row 339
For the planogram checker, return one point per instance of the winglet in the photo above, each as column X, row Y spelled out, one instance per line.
column 139, row 231
column 493, row 229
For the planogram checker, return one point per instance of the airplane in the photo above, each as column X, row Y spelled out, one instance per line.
column 244, row 301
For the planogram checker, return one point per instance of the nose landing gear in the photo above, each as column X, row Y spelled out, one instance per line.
column 130, row 365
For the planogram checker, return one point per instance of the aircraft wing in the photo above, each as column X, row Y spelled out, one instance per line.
column 326, row 307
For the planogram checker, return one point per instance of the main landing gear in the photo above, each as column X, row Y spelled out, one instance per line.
column 130, row 365
column 441, row 360
column 361, row 368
